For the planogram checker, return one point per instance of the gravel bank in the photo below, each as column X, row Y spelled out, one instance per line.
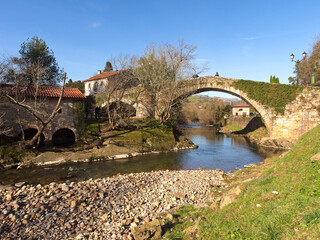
column 101, row 208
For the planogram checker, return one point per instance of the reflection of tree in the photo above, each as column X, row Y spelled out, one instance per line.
column 208, row 133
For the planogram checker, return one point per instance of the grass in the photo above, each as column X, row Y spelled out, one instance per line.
column 148, row 135
column 259, row 133
column 233, row 128
column 275, row 96
column 292, row 214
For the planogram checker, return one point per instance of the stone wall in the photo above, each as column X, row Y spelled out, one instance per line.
column 238, row 121
column 17, row 117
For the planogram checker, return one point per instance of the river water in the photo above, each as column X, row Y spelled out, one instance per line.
column 215, row 151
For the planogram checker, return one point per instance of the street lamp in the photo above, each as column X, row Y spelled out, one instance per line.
column 304, row 55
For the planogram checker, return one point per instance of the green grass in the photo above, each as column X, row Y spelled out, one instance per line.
column 294, row 213
column 275, row 96
column 148, row 135
column 233, row 128
column 259, row 133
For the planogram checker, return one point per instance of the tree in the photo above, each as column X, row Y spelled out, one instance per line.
column 274, row 79
column 108, row 67
column 159, row 71
column 119, row 97
column 36, row 61
column 308, row 67
column 78, row 84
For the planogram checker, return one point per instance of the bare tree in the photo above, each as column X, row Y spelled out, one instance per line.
column 119, row 97
column 159, row 70
column 16, row 96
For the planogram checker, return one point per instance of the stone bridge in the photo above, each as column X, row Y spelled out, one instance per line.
column 299, row 115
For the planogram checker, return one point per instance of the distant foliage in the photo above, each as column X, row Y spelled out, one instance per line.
column 275, row 96
column 207, row 111
column 77, row 84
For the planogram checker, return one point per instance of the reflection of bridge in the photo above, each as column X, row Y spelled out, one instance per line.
column 300, row 115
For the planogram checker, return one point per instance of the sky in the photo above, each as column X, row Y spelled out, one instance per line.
column 247, row 39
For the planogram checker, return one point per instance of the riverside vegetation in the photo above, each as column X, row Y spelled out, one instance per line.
column 278, row 199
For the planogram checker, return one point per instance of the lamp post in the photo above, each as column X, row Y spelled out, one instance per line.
column 304, row 55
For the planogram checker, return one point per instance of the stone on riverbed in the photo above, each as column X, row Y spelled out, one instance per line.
column 106, row 208
column 147, row 231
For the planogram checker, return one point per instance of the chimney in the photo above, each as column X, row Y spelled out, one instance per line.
column 99, row 71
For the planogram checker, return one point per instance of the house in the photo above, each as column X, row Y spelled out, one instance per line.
column 20, row 122
column 241, row 109
column 100, row 82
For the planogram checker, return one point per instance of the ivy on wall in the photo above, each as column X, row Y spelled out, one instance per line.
column 275, row 96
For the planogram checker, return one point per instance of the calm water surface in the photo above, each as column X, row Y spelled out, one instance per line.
column 215, row 151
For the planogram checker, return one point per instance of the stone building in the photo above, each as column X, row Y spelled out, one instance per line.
column 62, row 130
column 241, row 109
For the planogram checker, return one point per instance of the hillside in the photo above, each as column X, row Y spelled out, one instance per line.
column 278, row 199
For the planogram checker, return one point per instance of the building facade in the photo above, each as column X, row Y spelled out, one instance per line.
column 21, row 122
column 241, row 109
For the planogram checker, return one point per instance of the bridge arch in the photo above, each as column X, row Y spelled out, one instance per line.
column 190, row 87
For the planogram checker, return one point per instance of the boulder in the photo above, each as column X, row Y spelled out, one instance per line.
column 147, row 231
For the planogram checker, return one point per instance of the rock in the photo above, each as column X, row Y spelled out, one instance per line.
column 147, row 231
column 179, row 195
column 74, row 203
column 20, row 184
column 200, row 205
column 64, row 188
column 315, row 157
column 107, row 208
column 275, row 192
column 9, row 197
column 230, row 196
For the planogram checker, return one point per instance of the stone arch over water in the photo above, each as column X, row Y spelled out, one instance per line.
column 63, row 137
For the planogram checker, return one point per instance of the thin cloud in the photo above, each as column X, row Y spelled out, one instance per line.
column 250, row 38
column 95, row 24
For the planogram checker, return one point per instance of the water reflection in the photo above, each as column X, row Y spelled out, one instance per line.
column 215, row 151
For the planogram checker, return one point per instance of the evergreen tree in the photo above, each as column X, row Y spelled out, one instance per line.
column 39, row 60
column 108, row 67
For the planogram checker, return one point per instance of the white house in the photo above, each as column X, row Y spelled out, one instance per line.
column 241, row 109
column 99, row 82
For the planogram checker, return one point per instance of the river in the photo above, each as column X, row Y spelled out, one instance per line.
column 215, row 151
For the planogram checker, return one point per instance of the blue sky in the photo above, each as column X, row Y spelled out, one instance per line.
column 247, row 39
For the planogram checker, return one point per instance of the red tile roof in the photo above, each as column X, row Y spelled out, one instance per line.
column 103, row 75
column 44, row 91
column 241, row 105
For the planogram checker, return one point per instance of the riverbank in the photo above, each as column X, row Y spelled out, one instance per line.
column 256, row 206
column 145, row 136
column 102, row 208
column 257, row 134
